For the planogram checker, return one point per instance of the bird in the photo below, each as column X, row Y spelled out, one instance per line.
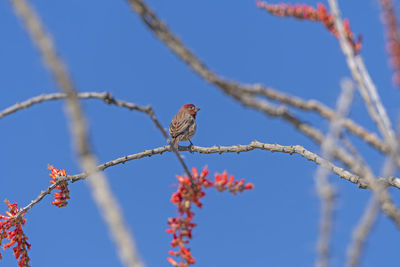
column 183, row 125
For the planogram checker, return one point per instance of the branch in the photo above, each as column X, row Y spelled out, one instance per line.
column 364, row 227
column 108, row 99
column 235, row 90
column 325, row 189
column 309, row 105
column 315, row 134
column 361, row 233
column 367, row 89
column 342, row 173
column 105, row 96
column 244, row 94
column 376, row 110
column 260, row 105
column 319, row 108
column 232, row 89
column 102, row 194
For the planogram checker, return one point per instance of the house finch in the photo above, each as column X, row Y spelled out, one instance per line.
column 183, row 124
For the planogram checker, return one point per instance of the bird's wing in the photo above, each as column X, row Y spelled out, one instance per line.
column 179, row 126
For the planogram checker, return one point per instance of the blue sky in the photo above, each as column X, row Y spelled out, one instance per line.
column 107, row 48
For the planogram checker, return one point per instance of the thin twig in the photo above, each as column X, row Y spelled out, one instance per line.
column 364, row 227
column 259, row 105
column 102, row 194
column 361, row 232
column 282, row 112
column 375, row 109
column 325, row 189
column 230, row 88
column 309, row 105
column 352, row 149
column 342, row 173
column 360, row 75
column 106, row 97
column 241, row 92
column 318, row 107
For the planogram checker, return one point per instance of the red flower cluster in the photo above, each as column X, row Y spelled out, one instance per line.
column 392, row 37
column 60, row 198
column 303, row 11
column 181, row 227
column 16, row 236
column 222, row 183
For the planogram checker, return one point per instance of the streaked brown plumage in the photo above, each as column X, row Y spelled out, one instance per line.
column 183, row 124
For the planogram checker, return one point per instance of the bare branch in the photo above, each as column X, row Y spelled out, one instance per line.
column 314, row 105
column 375, row 109
column 100, row 189
column 370, row 215
column 361, row 233
column 310, row 105
column 342, row 173
column 367, row 89
column 325, row 189
column 244, row 93
column 247, row 100
column 230, row 88
column 307, row 129
column 105, row 96
column 352, row 149
column 367, row 221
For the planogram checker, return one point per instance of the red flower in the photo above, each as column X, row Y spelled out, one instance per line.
column 303, row 11
column 392, row 37
column 61, row 197
column 16, row 236
column 222, row 183
column 181, row 227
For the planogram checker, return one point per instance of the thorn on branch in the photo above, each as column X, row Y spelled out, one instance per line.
column 109, row 98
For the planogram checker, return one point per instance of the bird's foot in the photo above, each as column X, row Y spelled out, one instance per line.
column 191, row 147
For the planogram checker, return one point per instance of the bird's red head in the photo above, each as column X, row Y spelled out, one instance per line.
column 192, row 109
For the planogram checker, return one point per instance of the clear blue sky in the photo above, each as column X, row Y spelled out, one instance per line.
column 107, row 48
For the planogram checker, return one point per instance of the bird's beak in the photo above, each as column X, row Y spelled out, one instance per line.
column 197, row 109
